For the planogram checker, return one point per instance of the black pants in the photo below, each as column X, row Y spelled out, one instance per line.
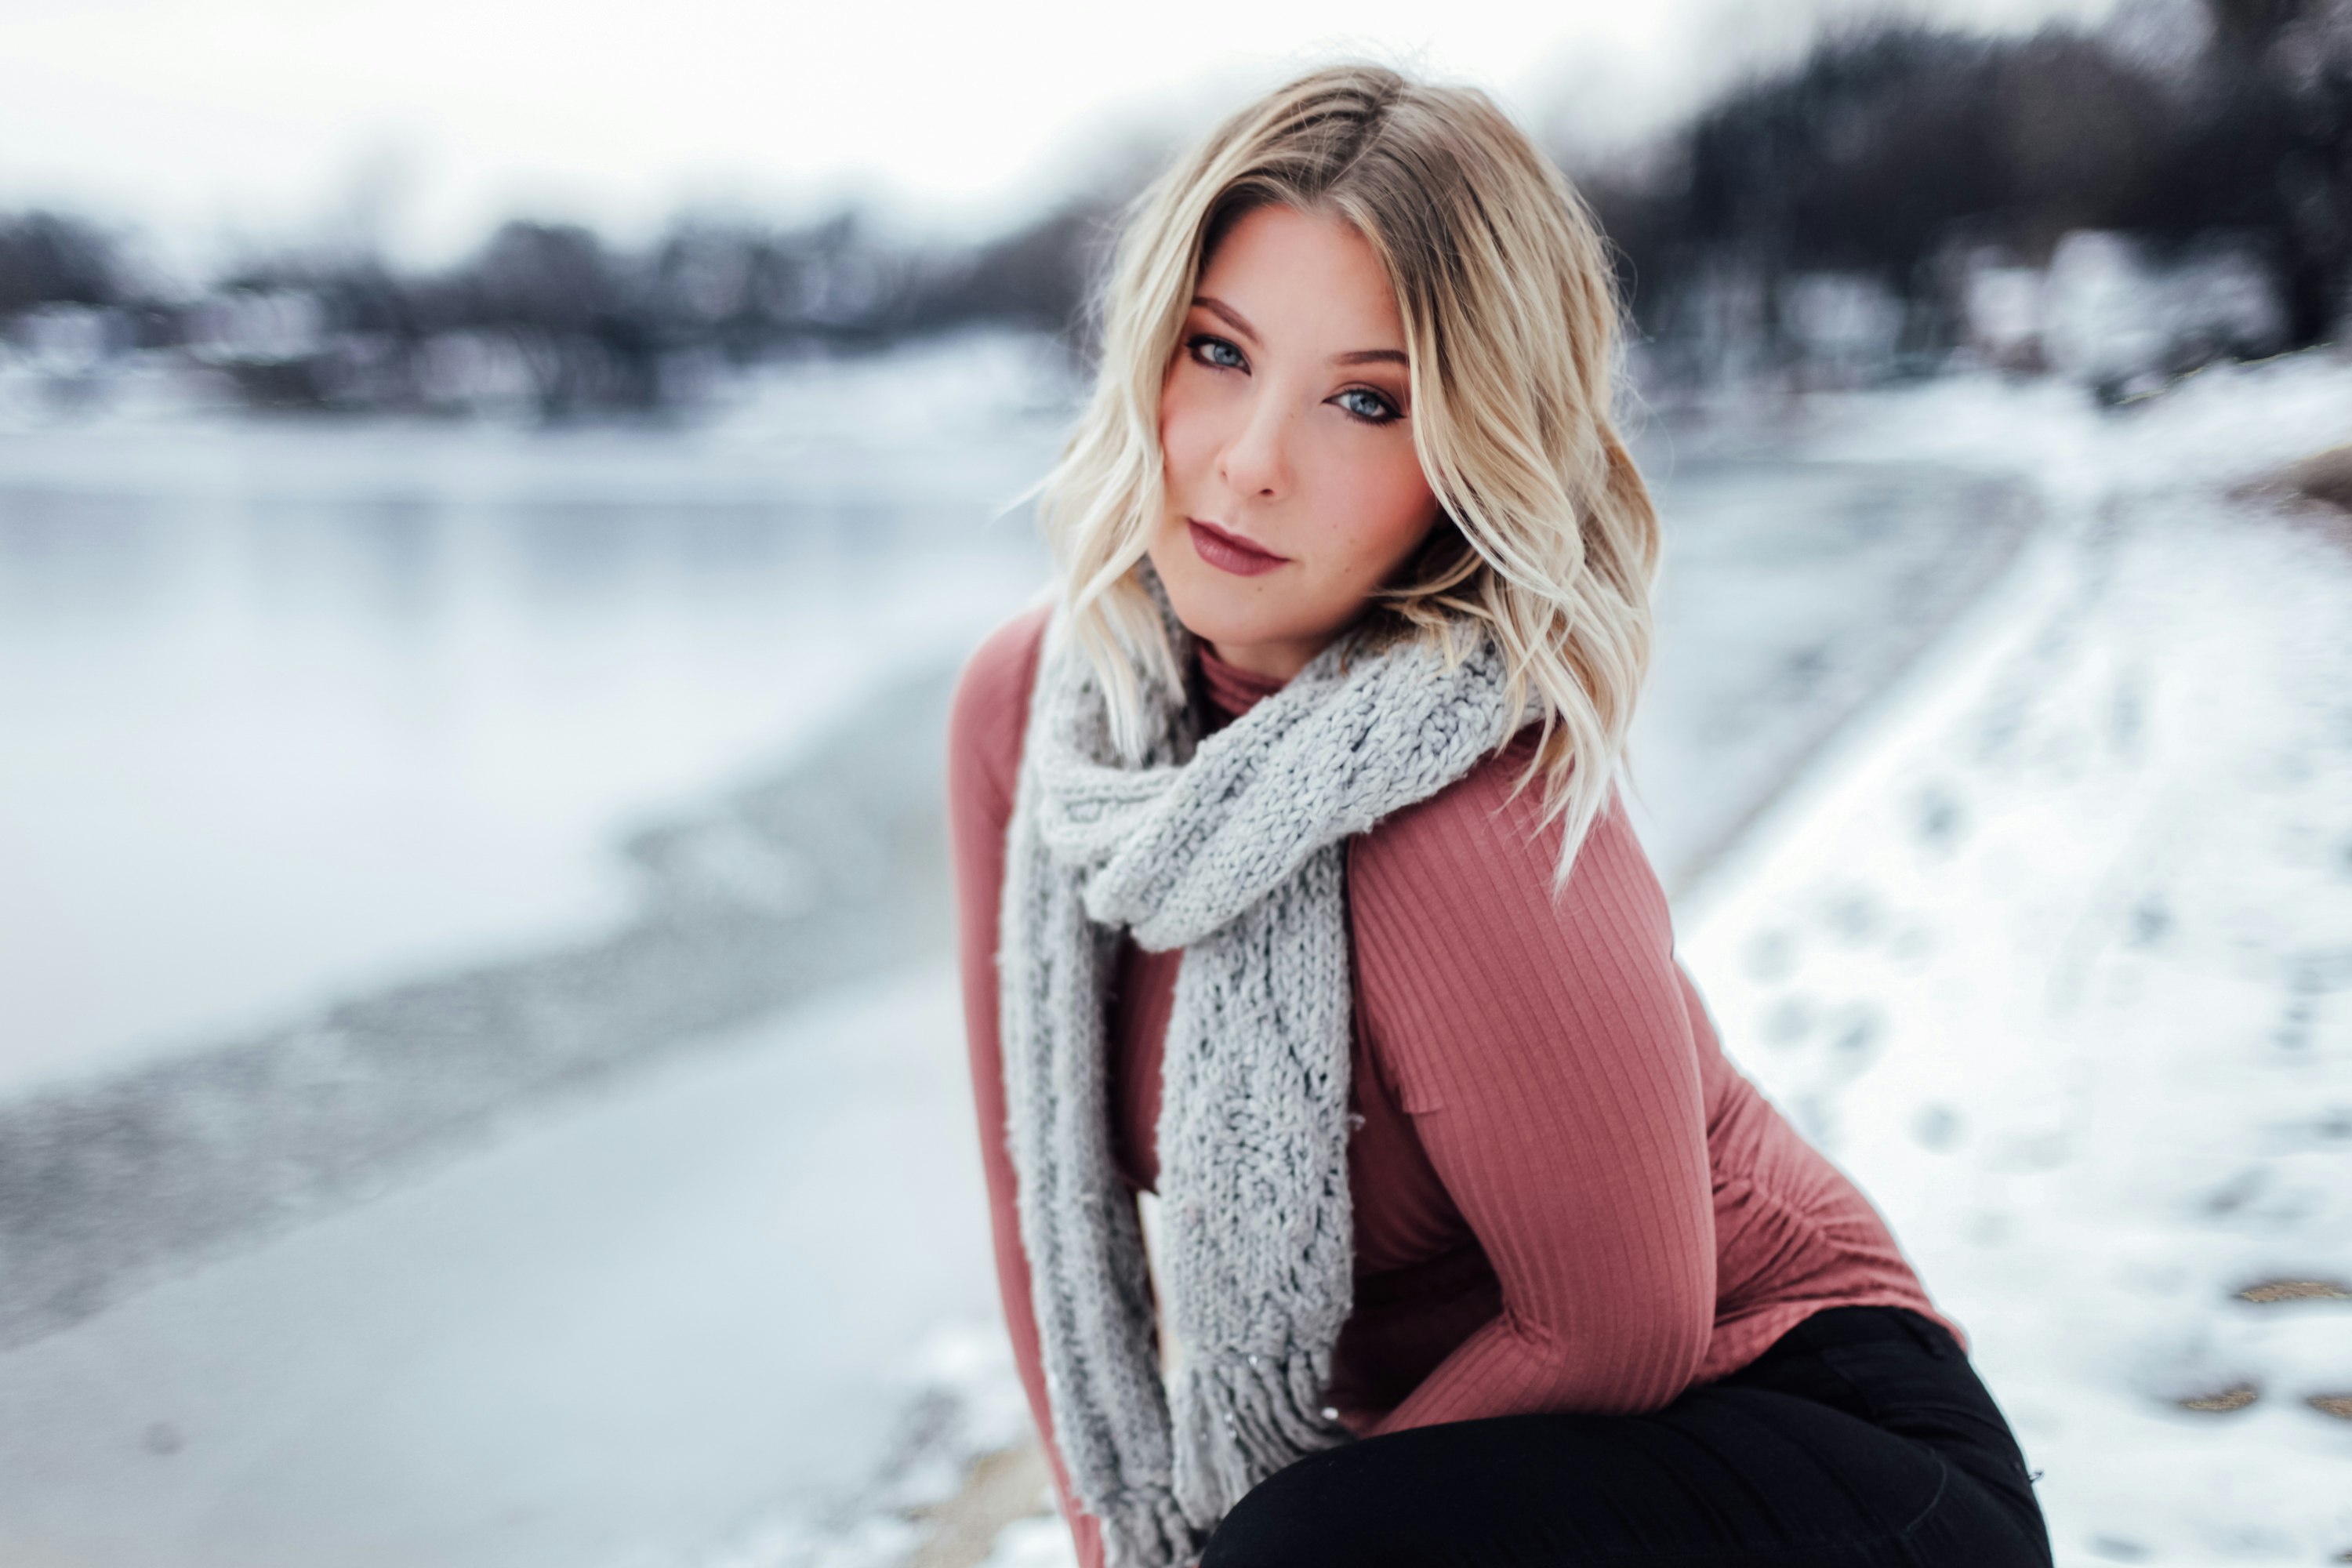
column 1862, row 1438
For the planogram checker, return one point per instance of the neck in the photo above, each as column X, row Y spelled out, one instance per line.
column 1273, row 660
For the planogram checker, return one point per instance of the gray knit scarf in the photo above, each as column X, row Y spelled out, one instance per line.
column 1229, row 847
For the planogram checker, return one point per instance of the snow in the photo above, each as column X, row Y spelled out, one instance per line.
column 2054, row 956
column 1790, row 592
column 1033, row 1544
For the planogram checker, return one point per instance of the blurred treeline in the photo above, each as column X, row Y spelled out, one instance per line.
column 2173, row 187
column 544, row 318
column 2119, row 204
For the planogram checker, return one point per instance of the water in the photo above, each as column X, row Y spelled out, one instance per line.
column 293, row 710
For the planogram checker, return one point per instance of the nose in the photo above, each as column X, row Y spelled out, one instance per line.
column 1256, row 461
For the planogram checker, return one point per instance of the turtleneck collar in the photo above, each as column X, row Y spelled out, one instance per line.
column 1231, row 691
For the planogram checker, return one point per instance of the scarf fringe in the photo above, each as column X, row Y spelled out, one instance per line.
column 1239, row 1418
column 1144, row 1526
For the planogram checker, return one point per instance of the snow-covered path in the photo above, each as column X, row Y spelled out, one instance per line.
column 2055, row 956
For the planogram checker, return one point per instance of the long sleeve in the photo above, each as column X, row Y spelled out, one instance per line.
column 985, row 735
column 1542, row 1046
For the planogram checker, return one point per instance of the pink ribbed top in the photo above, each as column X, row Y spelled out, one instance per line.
column 1566, row 1198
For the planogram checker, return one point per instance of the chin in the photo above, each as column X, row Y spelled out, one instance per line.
column 1218, row 608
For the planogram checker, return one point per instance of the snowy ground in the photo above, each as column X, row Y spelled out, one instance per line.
column 1791, row 588
column 2054, row 954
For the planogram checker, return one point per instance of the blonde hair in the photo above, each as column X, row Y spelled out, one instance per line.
column 1547, row 538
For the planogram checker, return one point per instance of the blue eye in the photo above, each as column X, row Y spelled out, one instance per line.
column 1367, row 405
column 1216, row 352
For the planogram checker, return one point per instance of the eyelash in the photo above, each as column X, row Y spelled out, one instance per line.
column 1194, row 344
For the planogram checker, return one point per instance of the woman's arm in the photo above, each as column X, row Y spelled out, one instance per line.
column 984, row 733
column 1543, row 1048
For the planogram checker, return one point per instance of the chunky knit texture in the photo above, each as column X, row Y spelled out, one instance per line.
column 1229, row 848
column 1565, row 1196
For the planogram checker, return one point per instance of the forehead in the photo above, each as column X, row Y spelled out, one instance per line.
column 1304, row 275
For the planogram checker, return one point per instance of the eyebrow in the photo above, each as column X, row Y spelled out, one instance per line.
column 1240, row 324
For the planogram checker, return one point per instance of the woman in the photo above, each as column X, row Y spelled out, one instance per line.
column 1294, row 888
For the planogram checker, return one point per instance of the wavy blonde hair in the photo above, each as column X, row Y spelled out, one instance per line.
column 1547, row 539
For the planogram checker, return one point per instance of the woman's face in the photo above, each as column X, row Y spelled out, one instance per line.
column 1293, row 489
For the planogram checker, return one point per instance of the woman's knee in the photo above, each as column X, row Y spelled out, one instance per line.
column 1325, row 1507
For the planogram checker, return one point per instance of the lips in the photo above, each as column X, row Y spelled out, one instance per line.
column 1230, row 552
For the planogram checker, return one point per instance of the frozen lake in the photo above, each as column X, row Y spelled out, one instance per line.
column 298, row 710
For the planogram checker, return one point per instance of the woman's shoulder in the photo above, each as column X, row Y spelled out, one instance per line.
column 1482, row 846
column 996, row 678
column 990, row 707
column 1476, row 978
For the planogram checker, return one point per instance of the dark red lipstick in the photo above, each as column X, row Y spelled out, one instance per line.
column 1230, row 552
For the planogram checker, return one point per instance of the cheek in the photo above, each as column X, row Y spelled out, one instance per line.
column 1380, row 505
column 1188, row 430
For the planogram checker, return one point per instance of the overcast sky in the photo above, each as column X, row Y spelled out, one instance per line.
column 213, row 122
